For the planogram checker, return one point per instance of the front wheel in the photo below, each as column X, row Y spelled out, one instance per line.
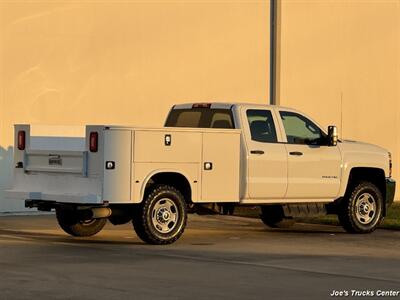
column 361, row 211
column 161, row 217
column 71, row 224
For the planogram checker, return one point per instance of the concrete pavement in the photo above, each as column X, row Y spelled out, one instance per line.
column 217, row 257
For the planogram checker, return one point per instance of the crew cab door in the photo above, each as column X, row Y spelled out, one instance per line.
column 266, row 157
column 314, row 168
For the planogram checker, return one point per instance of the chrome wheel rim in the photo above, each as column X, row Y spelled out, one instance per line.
column 366, row 208
column 164, row 215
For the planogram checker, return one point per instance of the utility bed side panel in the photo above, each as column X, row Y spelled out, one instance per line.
column 143, row 171
column 220, row 180
column 153, row 146
column 117, row 166
column 187, row 152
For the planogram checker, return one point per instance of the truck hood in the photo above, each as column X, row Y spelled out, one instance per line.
column 356, row 146
column 359, row 154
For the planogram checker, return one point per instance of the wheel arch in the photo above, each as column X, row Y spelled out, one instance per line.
column 371, row 174
column 175, row 178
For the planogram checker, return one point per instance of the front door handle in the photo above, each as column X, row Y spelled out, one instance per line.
column 297, row 153
column 259, row 152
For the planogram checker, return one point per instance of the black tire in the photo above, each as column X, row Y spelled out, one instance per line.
column 70, row 223
column 361, row 210
column 274, row 217
column 161, row 218
column 228, row 209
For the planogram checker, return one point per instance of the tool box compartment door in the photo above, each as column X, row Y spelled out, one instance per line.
column 117, row 166
column 220, row 167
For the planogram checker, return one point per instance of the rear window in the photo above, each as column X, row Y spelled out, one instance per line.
column 200, row 118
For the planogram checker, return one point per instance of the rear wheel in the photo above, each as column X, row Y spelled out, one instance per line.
column 274, row 217
column 71, row 224
column 228, row 208
column 161, row 217
column 361, row 211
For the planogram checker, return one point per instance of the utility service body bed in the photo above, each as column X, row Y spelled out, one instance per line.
column 115, row 164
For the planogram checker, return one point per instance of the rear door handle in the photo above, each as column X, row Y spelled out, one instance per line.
column 297, row 153
column 259, row 152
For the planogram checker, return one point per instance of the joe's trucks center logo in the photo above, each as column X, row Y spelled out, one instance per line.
column 365, row 293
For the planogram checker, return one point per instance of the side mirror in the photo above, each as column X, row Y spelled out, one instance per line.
column 332, row 136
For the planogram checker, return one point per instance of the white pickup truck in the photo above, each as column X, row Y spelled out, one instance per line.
column 230, row 154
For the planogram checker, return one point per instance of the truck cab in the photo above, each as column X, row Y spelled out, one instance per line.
column 288, row 157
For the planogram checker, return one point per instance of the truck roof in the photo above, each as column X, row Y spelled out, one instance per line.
column 223, row 105
column 229, row 105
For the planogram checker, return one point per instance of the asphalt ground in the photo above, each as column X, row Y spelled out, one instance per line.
column 218, row 257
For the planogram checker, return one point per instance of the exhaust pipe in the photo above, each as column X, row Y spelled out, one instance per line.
column 100, row 212
column 95, row 213
column 116, row 215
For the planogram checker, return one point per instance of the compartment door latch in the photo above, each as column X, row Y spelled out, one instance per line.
column 208, row 166
column 167, row 140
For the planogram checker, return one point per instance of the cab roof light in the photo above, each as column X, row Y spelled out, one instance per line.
column 21, row 140
column 94, row 141
column 201, row 105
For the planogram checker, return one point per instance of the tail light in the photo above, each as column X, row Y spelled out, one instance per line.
column 94, row 141
column 21, row 140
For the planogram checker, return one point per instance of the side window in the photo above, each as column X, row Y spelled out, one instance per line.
column 300, row 130
column 261, row 125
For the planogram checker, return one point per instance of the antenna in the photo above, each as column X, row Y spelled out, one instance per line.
column 341, row 114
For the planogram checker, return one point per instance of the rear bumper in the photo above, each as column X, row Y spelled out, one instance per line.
column 390, row 191
column 54, row 198
column 46, row 205
column 41, row 205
